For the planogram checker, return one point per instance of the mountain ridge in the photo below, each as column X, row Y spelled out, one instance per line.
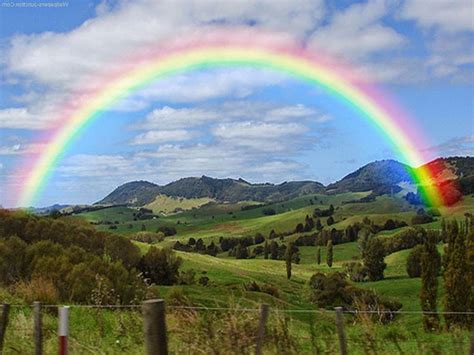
column 382, row 176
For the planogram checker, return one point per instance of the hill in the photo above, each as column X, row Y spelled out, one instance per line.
column 141, row 193
column 135, row 193
column 451, row 168
column 379, row 175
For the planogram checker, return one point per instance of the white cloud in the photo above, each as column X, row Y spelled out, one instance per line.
column 447, row 15
column 255, row 130
column 153, row 137
column 175, row 118
column 356, row 32
column 455, row 146
column 183, row 118
column 20, row 149
column 21, row 118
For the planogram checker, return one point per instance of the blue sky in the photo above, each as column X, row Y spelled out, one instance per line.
column 237, row 122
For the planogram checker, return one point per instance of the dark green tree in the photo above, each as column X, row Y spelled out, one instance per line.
column 266, row 250
column 318, row 255
column 319, row 226
column 414, row 261
column 430, row 268
column 288, row 258
column 329, row 253
column 374, row 259
column 330, row 221
column 456, row 277
column 161, row 266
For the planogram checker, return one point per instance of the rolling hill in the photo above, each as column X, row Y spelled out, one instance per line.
column 379, row 177
column 140, row 193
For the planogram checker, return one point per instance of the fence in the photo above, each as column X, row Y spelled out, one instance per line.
column 154, row 323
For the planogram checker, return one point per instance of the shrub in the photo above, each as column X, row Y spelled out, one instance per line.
column 148, row 237
column 167, row 230
column 332, row 290
column 356, row 271
column 203, row 280
column 38, row 289
column 269, row 211
column 161, row 266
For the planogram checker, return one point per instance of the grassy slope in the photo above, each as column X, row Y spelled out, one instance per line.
column 167, row 205
column 227, row 275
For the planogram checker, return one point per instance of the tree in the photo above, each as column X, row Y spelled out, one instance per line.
column 272, row 234
column 161, row 266
column 259, row 238
column 299, row 228
column 414, row 261
column 374, row 259
column 318, row 256
column 242, row 252
column 331, row 209
column 430, row 267
column 309, row 224
column 274, row 250
column 288, row 257
column 319, row 226
column 470, row 263
column 266, row 250
column 329, row 253
column 456, row 277
column 330, row 221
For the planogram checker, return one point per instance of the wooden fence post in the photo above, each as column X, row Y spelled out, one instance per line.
column 38, row 329
column 3, row 324
column 154, row 327
column 340, row 331
column 264, row 310
column 63, row 329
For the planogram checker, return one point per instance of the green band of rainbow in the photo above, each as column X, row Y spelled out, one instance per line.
column 287, row 60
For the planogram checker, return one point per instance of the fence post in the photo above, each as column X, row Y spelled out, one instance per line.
column 63, row 329
column 3, row 324
column 154, row 327
column 264, row 310
column 340, row 331
column 38, row 331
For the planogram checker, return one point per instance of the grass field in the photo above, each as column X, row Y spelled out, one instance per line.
column 228, row 277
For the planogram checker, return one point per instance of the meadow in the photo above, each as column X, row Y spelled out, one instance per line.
column 306, row 328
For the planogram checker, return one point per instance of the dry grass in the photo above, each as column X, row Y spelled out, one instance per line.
column 37, row 289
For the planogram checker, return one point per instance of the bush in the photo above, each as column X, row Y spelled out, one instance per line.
column 333, row 290
column 269, row 211
column 148, row 237
column 356, row 271
column 161, row 266
column 414, row 262
column 38, row 289
column 167, row 230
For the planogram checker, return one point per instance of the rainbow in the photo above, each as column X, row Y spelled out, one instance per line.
column 226, row 48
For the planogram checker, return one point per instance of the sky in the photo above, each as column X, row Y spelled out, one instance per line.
column 239, row 122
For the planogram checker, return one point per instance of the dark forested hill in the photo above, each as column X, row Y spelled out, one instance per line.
column 139, row 193
column 380, row 177
column 373, row 176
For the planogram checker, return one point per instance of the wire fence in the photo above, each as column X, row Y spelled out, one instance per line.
column 190, row 329
column 241, row 309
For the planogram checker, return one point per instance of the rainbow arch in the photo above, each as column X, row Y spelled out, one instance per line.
column 229, row 49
